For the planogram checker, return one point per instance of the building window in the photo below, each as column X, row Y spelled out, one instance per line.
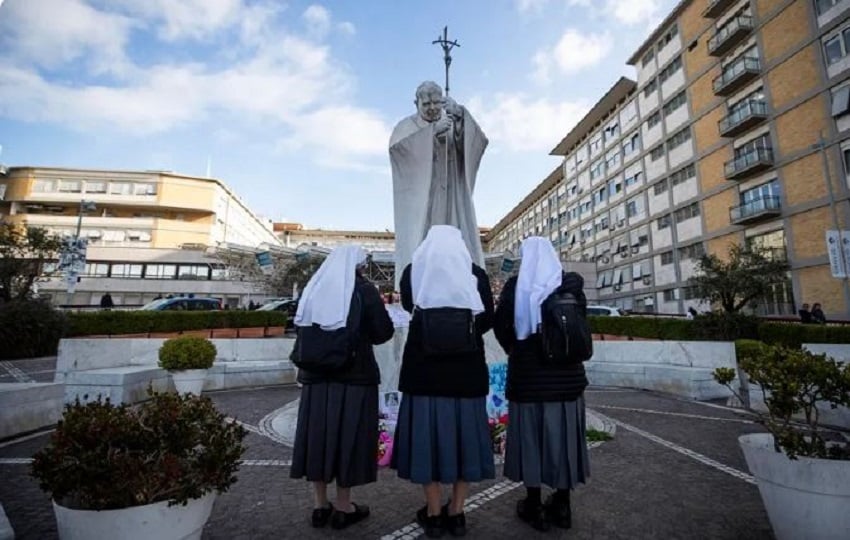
column 683, row 175
column 668, row 37
column 633, row 179
column 144, row 189
column 689, row 293
column 669, row 295
column 647, row 58
column 771, row 244
column 44, row 186
column 657, row 153
column 599, row 196
column 127, row 270
column 687, row 212
column 96, row 270
column 193, row 271
column 650, row 87
column 596, row 144
column 667, row 258
column 660, row 187
column 670, row 70
column 825, row 5
column 69, row 186
column 612, row 131
column 760, row 194
column 120, row 188
column 694, row 251
column 160, row 271
column 759, row 143
column 613, row 160
column 837, row 47
column 95, row 187
column 653, row 120
column 679, row 138
column 615, row 186
column 663, row 222
column 631, row 145
column 678, row 100
column 841, row 101
column 597, row 169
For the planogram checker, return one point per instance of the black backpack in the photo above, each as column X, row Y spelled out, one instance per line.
column 447, row 330
column 564, row 329
column 327, row 351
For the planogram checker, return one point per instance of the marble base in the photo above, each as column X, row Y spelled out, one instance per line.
column 29, row 406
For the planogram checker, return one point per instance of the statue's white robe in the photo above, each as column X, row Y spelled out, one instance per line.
column 429, row 191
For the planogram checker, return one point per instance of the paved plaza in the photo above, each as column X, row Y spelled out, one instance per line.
column 672, row 470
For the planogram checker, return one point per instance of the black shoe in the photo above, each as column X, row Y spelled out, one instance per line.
column 321, row 516
column 558, row 512
column 432, row 525
column 456, row 524
column 341, row 520
column 533, row 514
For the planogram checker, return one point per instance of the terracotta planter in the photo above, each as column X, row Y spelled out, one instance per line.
column 157, row 520
column 804, row 498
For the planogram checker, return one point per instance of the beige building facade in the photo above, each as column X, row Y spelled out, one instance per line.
column 150, row 233
column 735, row 130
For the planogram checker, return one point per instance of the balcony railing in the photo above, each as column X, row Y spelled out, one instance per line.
column 767, row 206
column 728, row 35
column 716, row 7
column 746, row 115
column 736, row 75
column 757, row 159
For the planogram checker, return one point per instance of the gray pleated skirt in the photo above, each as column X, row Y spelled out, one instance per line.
column 443, row 439
column 546, row 444
column 337, row 434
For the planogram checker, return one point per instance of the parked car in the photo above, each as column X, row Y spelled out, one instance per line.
column 287, row 306
column 183, row 303
column 603, row 311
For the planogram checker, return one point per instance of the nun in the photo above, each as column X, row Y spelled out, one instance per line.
column 546, row 427
column 442, row 436
column 336, row 439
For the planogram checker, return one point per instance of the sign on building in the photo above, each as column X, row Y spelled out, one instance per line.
column 264, row 259
column 838, row 253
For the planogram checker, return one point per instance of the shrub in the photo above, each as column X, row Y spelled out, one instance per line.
column 109, row 323
column 793, row 381
column 29, row 328
column 643, row 327
column 172, row 448
column 725, row 326
column 187, row 352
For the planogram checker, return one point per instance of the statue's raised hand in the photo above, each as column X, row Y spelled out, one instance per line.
column 442, row 125
column 453, row 109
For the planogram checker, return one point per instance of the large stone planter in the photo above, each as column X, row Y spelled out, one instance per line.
column 804, row 498
column 189, row 381
column 157, row 520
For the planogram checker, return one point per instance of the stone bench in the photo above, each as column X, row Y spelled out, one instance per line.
column 29, row 406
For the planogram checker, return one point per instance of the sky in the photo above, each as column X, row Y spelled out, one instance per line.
column 291, row 104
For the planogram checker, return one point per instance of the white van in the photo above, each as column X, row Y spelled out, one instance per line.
column 603, row 311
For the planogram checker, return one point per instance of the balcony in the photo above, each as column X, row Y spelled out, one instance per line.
column 763, row 208
column 716, row 7
column 729, row 35
column 746, row 115
column 736, row 75
column 749, row 163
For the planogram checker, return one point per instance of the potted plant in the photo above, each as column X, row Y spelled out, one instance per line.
column 802, row 470
column 152, row 471
column 187, row 358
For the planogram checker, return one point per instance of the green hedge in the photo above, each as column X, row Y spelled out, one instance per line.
column 143, row 322
column 29, row 329
column 713, row 327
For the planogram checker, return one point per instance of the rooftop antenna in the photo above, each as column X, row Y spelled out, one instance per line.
column 209, row 166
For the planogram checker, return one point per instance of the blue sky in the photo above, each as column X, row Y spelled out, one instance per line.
column 293, row 102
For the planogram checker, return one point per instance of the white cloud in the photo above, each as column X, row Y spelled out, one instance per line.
column 524, row 6
column 318, row 20
column 627, row 12
column 573, row 52
column 520, row 122
column 38, row 34
column 346, row 28
column 186, row 19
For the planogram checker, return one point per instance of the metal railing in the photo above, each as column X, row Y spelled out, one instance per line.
column 764, row 205
column 739, row 23
column 747, row 160
column 734, row 71
column 749, row 109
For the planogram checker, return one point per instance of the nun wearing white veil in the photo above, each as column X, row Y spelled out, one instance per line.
column 546, row 419
column 442, row 436
column 336, row 438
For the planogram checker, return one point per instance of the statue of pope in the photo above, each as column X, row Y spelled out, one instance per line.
column 435, row 155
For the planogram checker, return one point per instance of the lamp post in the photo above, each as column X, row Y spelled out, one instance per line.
column 74, row 258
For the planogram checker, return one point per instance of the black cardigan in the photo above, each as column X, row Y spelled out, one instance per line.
column 450, row 376
column 529, row 380
column 376, row 327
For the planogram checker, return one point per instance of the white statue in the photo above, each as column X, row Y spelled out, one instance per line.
column 435, row 156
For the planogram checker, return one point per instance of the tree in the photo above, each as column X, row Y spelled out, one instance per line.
column 747, row 275
column 297, row 271
column 23, row 252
